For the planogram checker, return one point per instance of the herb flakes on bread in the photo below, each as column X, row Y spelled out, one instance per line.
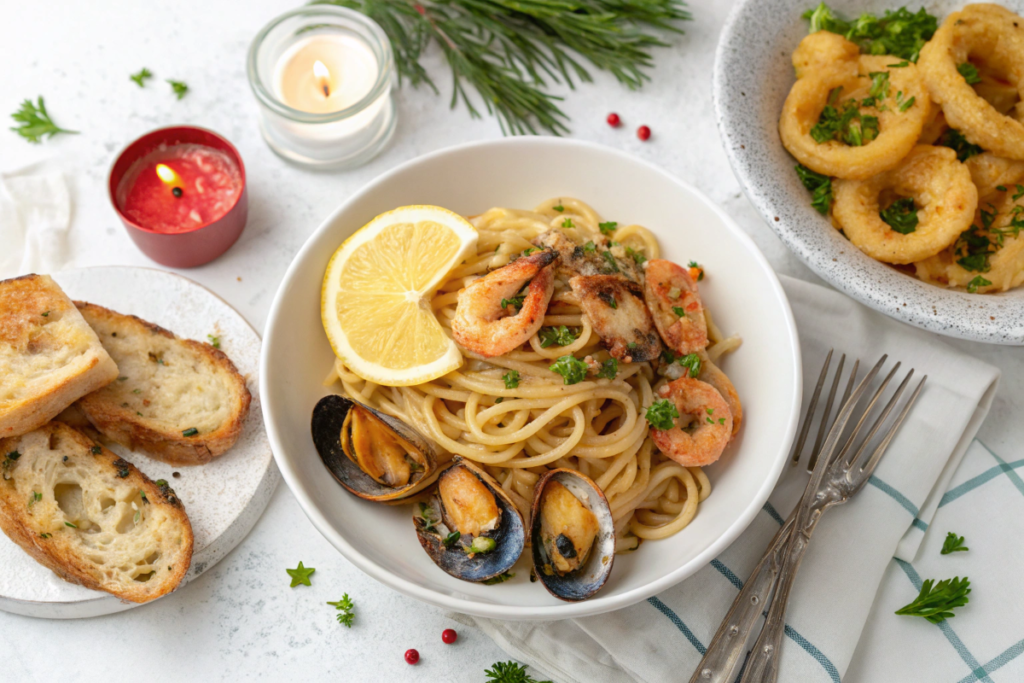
column 179, row 400
column 91, row 517
column 49, row 356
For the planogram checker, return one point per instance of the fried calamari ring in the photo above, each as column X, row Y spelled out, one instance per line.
column 820, row 50
column 943, row 194
column 995, row 36
column 989, row 173
column 897, row 130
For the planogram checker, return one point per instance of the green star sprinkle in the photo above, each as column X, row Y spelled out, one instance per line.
column 300, row 575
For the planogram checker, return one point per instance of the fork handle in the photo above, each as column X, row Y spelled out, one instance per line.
column 727, row 648
column 763, row 665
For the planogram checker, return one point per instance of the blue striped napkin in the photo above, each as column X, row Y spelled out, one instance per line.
column 868, row 557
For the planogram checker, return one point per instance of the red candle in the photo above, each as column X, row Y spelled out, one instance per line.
column 179, row 188
column 181, row 194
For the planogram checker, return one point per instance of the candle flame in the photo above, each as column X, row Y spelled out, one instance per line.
column 323, row 77
column 166, row 174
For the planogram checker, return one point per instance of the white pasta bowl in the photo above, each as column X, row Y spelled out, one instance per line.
column 740, row 289
column 753, row 74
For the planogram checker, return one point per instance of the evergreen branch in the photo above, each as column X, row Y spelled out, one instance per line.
column 509, row 50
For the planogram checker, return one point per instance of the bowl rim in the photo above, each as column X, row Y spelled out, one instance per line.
column 599, row 604
column 968, row 316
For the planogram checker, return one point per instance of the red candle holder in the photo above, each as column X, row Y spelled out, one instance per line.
column 193, row 247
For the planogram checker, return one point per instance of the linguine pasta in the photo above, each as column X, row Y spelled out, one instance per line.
column 518, row 430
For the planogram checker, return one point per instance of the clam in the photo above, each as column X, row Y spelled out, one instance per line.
column 373, row 455
column 470, row 527
column 572, row 534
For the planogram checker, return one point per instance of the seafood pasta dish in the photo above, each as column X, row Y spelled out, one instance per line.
column 530, row 380
column 908, row 132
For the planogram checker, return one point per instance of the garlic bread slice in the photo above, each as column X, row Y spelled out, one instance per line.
column 91, row 517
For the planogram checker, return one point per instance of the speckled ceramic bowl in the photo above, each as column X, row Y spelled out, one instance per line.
column 753, row 75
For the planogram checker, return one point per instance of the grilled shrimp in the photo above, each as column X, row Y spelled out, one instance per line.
column 482, row 325
column 615, row 307
column 597, row 257
column 671, row 295
column 703, row 444
column 713, row 375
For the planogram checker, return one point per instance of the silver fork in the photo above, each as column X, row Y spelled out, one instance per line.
column 782, row 557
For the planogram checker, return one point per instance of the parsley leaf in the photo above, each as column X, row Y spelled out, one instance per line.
column 500, row 578
column 662, row 414
column 346, row 609
column 140, row 77
column 572, row 370
column 608, row 227
column 611, row 261
column 844, row 123
column 559, row 208
column 820, row 187
column 958, row 143
column 609, row 369
column 509, row 672
column 901, row 215
column 679, row 311
column 452, row 538
column 609, row 299
column 35, row 122
column 516, row 301
column 567, row 223
column 511, row 379
column 969, row 72
column 589, row 248
column 900, row 33
column 636, row 255
column 178, row 87
column 978, row 281
column 214, row 341
column 691, row 362
column 937, row 600
column 953, row 544
column 879, row 85
column 556, row 336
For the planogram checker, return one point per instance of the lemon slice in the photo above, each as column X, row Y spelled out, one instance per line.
column 374, row 303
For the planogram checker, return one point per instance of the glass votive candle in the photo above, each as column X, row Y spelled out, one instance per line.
column 323, row 76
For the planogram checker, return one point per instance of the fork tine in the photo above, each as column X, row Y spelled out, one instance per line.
column 809, row 417
column 881, row 419
column 824, row 418
column 867, row 412
column 869, row 466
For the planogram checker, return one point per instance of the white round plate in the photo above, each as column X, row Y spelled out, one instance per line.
column 223, row 499
column 753, row 74
column 740, row 288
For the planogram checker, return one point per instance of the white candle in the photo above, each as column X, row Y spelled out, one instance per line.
column 325, row 73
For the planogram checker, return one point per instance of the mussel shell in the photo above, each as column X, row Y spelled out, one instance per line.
column 328, row 418
column 510, row 535
column 591, row 577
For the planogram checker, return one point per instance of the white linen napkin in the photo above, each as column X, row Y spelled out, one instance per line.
column 35, row 214
column 663, row 638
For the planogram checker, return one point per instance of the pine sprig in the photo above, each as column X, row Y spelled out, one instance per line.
column 346, row 610
column 937, row 600
column 510, row 50
column 36, row 122
column 509, row 672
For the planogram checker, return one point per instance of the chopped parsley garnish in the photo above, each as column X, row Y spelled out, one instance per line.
column 953, row 544
column 300, row 575
column 608, row 227
column 346, row 610
column 694, row 264
column 820, row 187
column 1001, row 188
column 160, row 482
column 1019, row 193
column 691, row 362
column 900, row 33
column 191, row 431
column 679, row 311
column 608, row 299
column 178, row 87
column 36, row 497
column 567, row 223
column 556, row 336
column 631, row 345
column 46, row 314
column 44, row 535
column 611, row 261
column 511, row 379
column 936, row 601
column 516, row 301
column 879, row 85
column 122, row 378
column 958, row 143
column 969, row 72
column 609, row 369
column 451, row 539
column 898, row 65
column 662, row 414
column 502, row 578
column 427, row 515
column 71, row 524
column 141, row 77
column 904, row 105
column 844, row 123
column 589, row 248
column 123, row 472
column 668, row 357
column 559, row 208
column 901, row 215
column 96, row 450
column 977, row 282
column 571, row 369
column 214, row 341
column 636, row 255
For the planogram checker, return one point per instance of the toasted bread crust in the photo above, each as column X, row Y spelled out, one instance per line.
column 114, row 410
column 60, row 549
column 49, row 356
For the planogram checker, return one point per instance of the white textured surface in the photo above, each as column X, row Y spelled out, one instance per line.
column 223, row 498
column 240, row 621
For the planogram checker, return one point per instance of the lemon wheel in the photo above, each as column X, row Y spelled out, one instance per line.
column 375, row 302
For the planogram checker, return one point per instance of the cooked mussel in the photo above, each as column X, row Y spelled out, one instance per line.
column 572, row 535
column 371, row 454
column 470, row 527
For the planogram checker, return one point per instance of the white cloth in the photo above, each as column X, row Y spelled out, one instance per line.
column 851, row 556
column 35, row 214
